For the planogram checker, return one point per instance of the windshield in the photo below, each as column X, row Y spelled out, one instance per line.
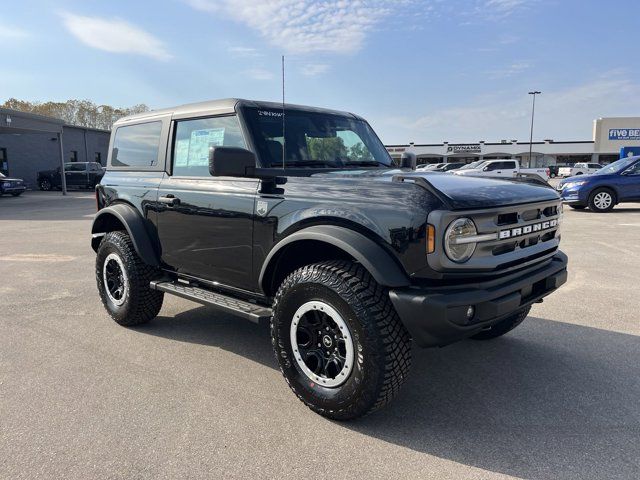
column 471, row 165
column 616, row 166
column 314, row 140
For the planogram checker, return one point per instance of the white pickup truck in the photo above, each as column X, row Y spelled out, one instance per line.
column 503, row 168
column 579, row 169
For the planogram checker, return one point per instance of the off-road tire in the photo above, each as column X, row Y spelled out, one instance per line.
column 141, row 304
column 592, row 200
column 504, row 326
column 381, row 343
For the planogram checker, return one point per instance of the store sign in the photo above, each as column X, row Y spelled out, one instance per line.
column 471, row 148
column 624, row 134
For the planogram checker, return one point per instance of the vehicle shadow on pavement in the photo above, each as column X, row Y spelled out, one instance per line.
column 617, row 209
column 206, row 326
column 548, row 400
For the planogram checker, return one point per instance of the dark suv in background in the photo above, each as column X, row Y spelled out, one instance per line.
column 77, row 174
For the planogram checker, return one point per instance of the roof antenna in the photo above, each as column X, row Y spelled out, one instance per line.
column 284, row 137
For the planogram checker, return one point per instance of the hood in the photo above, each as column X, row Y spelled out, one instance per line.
column 10, row 179
column 584, row 179
column 463, row 192
column 468, row 171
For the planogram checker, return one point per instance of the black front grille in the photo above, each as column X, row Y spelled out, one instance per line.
column 529, row 258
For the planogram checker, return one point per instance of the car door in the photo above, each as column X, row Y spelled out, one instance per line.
column 629, row 183
column 502, row 169
column 94, row 174
column 74, row 174
column 205, row 223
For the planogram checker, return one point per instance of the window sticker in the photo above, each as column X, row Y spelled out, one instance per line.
column 199, row 144
column 182, row 153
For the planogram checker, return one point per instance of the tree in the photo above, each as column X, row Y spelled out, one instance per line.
column 358, row 152
column 83, row 113
column 326, row 149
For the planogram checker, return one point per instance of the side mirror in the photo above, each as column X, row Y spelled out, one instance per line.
column 485, row 169
column 408, row 160
column 231, row 162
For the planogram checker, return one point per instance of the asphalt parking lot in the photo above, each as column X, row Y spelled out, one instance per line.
column 197, row 394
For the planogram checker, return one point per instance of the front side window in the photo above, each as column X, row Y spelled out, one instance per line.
column 136, row 145
column 314, row 139
column 633, row 170
column 194, row 139
column 74, row 167
column 615, row 167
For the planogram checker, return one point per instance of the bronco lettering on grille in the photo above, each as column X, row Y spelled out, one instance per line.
column 526, row 230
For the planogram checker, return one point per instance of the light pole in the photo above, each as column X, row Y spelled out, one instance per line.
column 533, row 112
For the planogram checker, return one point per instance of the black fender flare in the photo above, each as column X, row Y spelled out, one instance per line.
column 378, row 262
column 133, row 223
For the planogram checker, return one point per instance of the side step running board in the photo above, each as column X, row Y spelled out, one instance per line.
column 248, row 310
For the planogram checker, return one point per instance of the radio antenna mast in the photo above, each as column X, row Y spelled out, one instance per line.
column 284, row 137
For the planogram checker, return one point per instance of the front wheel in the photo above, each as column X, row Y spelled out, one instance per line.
column 338, row 340
column 601, row 200
column 123, row 281
column 503, row 326
column 45, row 185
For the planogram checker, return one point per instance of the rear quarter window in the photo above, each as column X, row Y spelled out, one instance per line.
column 137, row 145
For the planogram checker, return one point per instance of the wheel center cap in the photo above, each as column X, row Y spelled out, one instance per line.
column 327, row 341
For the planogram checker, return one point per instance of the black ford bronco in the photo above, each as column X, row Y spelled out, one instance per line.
column 298, row 216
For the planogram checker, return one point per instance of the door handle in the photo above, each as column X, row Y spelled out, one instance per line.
column 170, row 200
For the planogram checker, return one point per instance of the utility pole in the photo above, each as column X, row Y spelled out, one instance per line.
column 533, row 112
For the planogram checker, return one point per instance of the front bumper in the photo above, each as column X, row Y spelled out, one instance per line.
column 438, row 316
column 13, row 189
column 574, row 195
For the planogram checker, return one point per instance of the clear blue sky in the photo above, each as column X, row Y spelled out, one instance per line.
column 419, row 70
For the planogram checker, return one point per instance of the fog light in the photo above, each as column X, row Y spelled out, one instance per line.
column 470, row 312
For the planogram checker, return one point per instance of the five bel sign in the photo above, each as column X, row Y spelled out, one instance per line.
column 526, row 230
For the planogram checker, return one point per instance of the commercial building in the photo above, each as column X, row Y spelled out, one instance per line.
column 609, row 136
column 30, row 143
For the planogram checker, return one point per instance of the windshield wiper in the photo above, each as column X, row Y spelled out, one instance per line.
column 366, row 163
column 303, row 163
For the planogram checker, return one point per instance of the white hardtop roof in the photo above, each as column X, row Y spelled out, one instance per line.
column 218, row 107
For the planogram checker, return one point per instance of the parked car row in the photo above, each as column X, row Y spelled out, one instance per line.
column 487, row 168
column 507, row 168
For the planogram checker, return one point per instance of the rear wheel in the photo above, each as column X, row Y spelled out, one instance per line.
column 504, row 326
column 45, row 185
column 601, row 200
column 339, row 342
column 123, row 281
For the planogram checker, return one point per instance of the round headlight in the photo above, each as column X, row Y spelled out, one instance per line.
column 455, row 245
